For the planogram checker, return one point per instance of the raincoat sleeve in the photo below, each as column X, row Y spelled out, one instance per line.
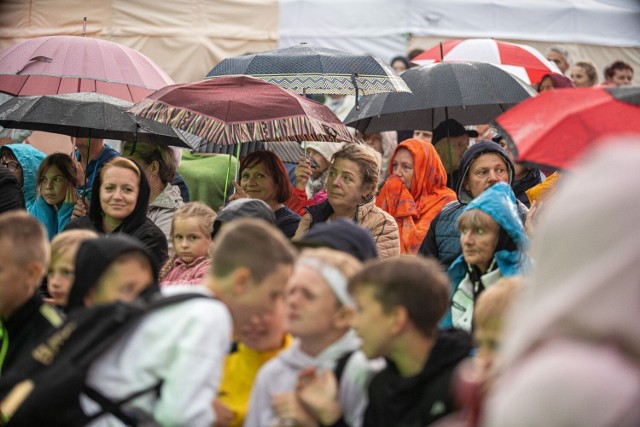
column 64, row 216
column 46, row 215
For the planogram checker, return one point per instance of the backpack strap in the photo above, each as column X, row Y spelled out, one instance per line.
column 109, row 406
column 341, row 364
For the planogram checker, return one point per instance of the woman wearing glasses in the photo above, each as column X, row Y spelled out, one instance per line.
column 23, row 161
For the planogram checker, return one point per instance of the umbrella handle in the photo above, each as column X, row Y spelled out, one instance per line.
column 355, row 84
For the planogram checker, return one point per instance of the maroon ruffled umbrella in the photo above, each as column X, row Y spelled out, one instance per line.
column 237, row 109
column 67, row 64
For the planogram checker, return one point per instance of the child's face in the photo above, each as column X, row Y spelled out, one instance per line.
column 311, row 305
column 487, row 337
column 122, row 281
column 189, row 242
column 53, row 186
column 265, row 332
column 60, row 278
column 372, row 324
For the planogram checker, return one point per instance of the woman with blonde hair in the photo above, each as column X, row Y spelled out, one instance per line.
column 119, row 205
column 351, row 186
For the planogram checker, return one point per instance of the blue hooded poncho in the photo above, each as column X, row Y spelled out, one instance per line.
column 499, row 203
column 29, row 158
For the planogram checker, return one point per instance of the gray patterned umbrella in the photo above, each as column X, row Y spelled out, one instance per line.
column 307, row 69
column 469, row 92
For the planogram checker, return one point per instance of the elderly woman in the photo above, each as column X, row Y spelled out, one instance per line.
column 263, row 176
column 56, row 184
column 415, row 191
column 159, row 165
column 121, row 206
column 352, row 181
column 318, row 313
column 493, row 239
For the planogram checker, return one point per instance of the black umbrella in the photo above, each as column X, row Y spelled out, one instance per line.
column 310, row 69
column 85, row 114
column 469, row 92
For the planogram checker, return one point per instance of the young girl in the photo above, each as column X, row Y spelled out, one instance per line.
column 64, row 248
column 191, row 235
column 56, row 184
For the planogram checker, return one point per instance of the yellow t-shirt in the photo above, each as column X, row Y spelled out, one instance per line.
column 240, row 370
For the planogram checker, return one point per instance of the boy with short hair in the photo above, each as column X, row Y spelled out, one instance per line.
column 24, row 317
column 182, row 346
column 399, row 304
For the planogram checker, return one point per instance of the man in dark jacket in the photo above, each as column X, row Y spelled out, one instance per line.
column 484, row 164
column 400, row 301
column 24, row 317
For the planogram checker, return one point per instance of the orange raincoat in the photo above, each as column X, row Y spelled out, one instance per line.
column 415, row 209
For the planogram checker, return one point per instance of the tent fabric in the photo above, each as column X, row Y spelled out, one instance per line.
column 188, row 37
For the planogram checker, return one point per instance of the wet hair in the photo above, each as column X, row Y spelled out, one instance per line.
column 366, row 160
column 64, row 163
column 275, row 169
column 418, row 284
column 589, row 70
column 68, row 242
column 120, row 162
column 610, row 70
column 250, row 243
column 28, row 238
column 148, row 153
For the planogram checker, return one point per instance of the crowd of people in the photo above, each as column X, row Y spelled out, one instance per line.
column 392, row 282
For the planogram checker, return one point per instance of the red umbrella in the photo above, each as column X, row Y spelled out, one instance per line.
column 554, row 128
column 236, row 109
column 68, row 64
column 519, row 59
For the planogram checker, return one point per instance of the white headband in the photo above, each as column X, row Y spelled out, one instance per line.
column 334, row 278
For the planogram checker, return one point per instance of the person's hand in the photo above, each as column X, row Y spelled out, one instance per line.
column 318, row 393
column 302, row 173
column 287, row 407
column 224, row 414
column 80, row 209
column 239, row 193
column 72, row 195
column 532, row 219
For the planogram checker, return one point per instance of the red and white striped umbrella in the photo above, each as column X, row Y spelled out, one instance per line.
column 521, row 60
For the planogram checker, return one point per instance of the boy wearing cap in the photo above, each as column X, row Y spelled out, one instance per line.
column 451, row 140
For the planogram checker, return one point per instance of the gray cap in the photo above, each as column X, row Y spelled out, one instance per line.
column 244, row 208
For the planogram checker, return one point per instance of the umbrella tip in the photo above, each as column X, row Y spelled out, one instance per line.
column 84, row 26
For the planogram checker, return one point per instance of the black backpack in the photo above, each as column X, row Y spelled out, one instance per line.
column 44, row 389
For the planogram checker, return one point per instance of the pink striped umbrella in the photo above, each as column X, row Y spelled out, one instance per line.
column 69, row 64
column 236, row 109
column 521, row 60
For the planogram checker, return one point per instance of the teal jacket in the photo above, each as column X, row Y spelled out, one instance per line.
column 29, row 158
column 55, row 220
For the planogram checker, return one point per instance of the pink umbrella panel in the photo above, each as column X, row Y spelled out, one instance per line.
column 68, row 64
column 236, row 109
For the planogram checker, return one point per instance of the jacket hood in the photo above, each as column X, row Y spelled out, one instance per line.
column 94, row 258
column 170, row 198
column 296, row 359
column 11, row 195
column 135, row 219
column 472, row 153
column 29, row 158
column 584, row 286
column 499, row 202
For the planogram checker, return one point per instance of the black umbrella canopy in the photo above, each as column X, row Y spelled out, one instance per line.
column 306, row 68
column 471, row 93
column 85, row 114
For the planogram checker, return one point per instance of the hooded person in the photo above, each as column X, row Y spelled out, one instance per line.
column 415, row 192
column 493, row 247
column 94, row 272
column 135, row 223
column 571, row 344
column 28, row 158
column 311, row 175
column 11, row 195
column 443, row 238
